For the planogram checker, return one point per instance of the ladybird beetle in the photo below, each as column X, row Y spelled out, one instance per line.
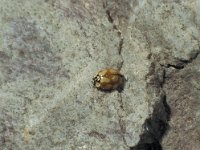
column 108, row 80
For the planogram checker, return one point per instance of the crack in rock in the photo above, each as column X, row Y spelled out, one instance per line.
column 181, row 64
column 155, row 127
column 111, row 20
column 184, row 103
column 121, row 42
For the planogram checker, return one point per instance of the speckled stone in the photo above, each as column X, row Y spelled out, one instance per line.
column 51, row 49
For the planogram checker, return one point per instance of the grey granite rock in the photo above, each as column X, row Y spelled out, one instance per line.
column 51, row 49
column 182, row 87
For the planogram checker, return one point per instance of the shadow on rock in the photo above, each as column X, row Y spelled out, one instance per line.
column 155, row 127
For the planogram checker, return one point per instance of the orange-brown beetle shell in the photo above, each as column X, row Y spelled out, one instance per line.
column 109, row 79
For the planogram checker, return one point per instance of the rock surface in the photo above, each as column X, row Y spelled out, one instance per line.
column 182, row 88
column 51, row 49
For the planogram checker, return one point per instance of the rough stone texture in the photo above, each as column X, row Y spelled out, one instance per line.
column 182, row 87
column 51, row 49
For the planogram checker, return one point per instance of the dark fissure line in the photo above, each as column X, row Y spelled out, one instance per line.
column 121, row 42
column 182, row 63
column 110, row 19
column 155, row 127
